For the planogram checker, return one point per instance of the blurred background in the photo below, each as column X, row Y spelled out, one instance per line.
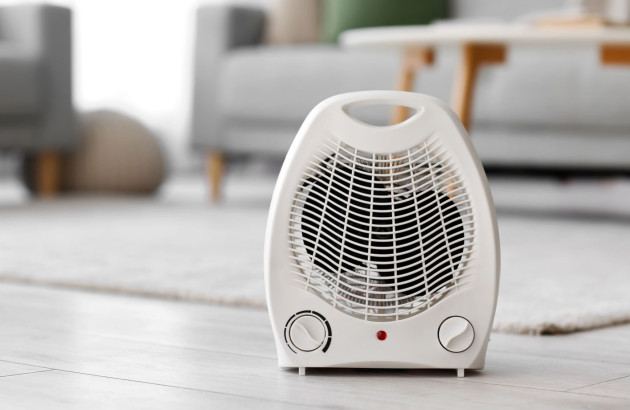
column 140, row 140
column 135, row 57
column 139, row 58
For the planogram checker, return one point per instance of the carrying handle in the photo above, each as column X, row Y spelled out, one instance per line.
column 396, row 111
column 369, row 98
column 431, row 115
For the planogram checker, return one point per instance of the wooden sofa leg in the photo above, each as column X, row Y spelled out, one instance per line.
column 215, row 164
column 47, row 173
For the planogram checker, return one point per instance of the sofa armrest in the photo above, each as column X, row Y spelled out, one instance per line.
column 44, row 33
column 220, row 28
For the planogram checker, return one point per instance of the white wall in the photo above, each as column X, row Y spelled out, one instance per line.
column 136, row 56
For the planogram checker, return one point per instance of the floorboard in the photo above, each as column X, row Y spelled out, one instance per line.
column 615, row 388
column 155, row 353
column 13, row 369
column 57, row 389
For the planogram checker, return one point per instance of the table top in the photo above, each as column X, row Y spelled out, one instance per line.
column 497, row 33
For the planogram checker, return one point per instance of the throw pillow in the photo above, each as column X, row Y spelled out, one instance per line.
column 341, row 15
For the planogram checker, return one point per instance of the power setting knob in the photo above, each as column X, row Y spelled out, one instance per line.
column 456, row 334
column 307, row 333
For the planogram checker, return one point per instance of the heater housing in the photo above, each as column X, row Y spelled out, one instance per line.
column 382, row 244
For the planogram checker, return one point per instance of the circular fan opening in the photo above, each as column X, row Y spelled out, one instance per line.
column 380, row 237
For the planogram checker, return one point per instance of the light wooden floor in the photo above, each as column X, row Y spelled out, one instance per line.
column 72, row 349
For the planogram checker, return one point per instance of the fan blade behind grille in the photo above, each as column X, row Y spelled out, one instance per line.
column 383, row 233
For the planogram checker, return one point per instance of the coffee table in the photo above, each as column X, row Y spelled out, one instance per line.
column 481, row 44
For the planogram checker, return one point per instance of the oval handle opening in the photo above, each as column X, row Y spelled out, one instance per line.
column 380, row 114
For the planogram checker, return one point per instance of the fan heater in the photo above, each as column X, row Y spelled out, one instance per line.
column 382, row 248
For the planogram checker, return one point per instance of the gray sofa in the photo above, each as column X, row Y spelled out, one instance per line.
column 36, row 111
column 551, row 108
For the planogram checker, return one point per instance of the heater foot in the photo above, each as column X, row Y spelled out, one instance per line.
column 302, row 371
column 460, row 372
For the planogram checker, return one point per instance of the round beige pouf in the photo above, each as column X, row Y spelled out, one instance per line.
column 116, row 153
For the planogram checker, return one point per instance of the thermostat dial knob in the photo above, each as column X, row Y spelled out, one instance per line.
column 307, row 333
column 456, row 334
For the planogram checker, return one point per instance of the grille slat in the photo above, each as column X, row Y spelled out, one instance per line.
column 355, row 238
column 410, row 208
column 451, row 180
column 381, row 236
column 427, row 253
column 444, row 293
column 407, row 299
column 317, row 161
column 412, row 273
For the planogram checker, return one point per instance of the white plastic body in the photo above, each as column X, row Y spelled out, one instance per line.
column 411, row 342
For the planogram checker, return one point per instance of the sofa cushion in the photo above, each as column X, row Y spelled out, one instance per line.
column 497, row 146
column 285, row 83
column 19, row 85
column 554, row 86
column 538, row 86
column 551, row 147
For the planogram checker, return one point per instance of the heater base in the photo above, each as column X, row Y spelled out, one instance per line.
column 460, row 372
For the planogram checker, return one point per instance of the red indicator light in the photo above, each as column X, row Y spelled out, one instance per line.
column 381, row 335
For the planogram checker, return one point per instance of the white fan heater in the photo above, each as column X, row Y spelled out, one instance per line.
column 382, row 243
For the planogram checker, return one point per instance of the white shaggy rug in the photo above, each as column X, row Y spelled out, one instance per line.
column 565, row 248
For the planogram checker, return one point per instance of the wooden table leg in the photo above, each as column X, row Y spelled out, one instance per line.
column 413, row 59
column 612, row 54
column 215, row 164
column 473, row 56
column 47, row 173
